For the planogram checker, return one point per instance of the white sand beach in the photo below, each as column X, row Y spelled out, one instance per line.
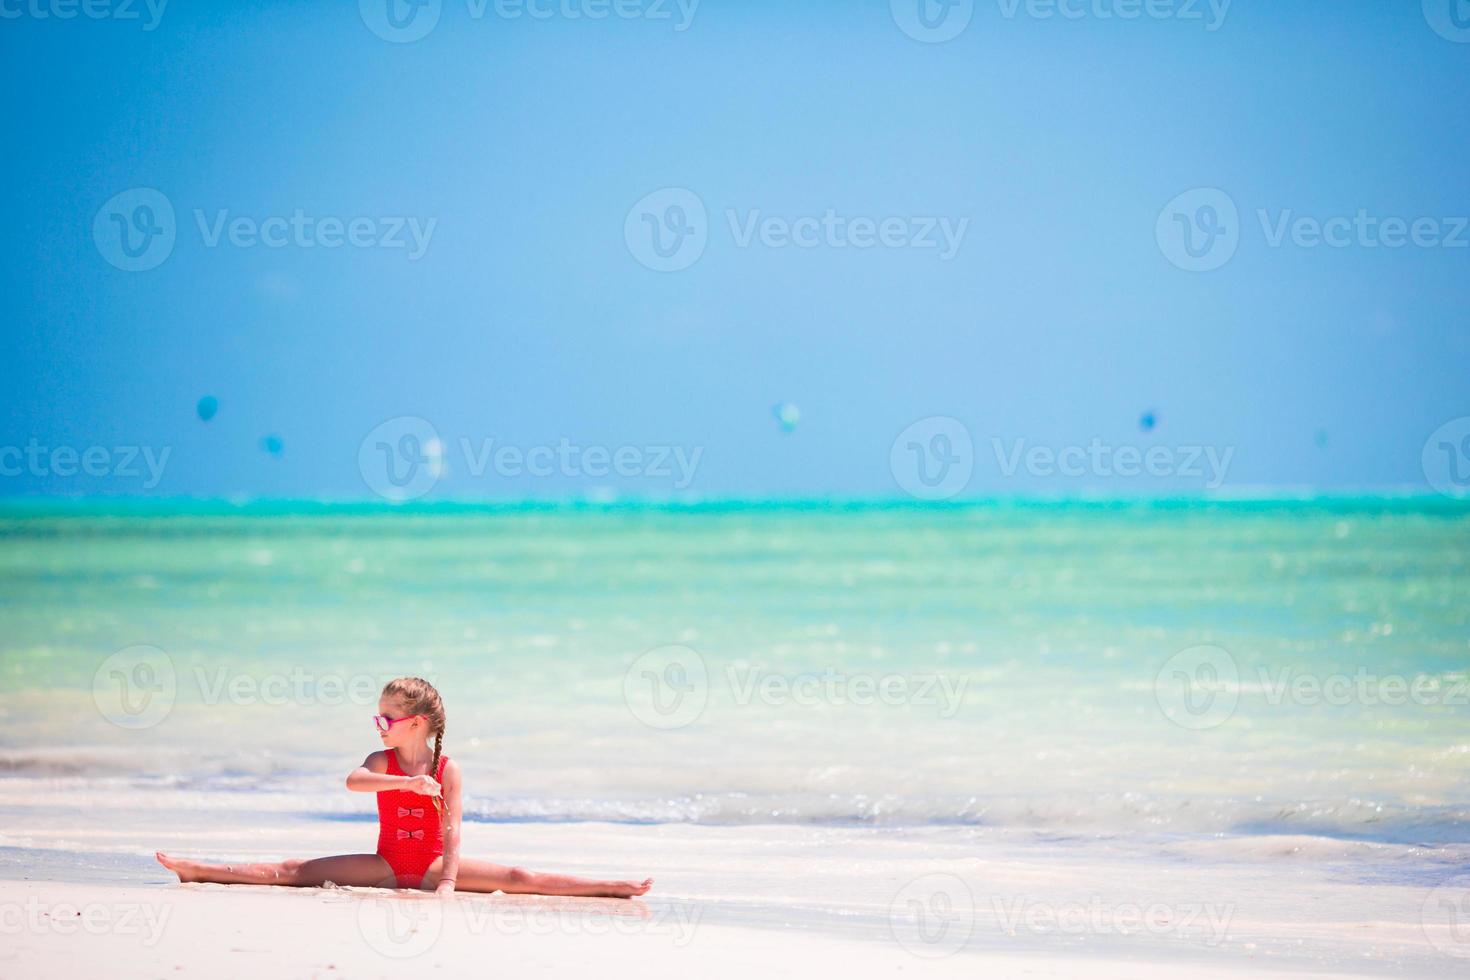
column 732, row 902
column 243, row 932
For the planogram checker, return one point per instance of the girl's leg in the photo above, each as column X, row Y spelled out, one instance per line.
column 482, row 876
column 363, row 870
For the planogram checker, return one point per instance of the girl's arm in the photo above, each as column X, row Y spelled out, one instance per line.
column 451, row 829
column 373, row 776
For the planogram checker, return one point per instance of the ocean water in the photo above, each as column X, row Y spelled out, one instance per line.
column 1160, row 670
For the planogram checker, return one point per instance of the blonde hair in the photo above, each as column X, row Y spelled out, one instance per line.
column 419, row 697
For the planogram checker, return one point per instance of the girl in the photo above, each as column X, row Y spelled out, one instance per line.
column 418, row 821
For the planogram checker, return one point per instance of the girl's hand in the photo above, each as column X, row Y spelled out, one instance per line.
column 444, row 889
column 423, row 785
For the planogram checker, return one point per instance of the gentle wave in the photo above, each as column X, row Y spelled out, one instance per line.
column 1128, row 813
column 1347, row 819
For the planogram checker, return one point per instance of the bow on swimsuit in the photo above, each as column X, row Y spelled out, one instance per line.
column 410, row 834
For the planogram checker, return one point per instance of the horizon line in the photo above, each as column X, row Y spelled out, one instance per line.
column 240, row 503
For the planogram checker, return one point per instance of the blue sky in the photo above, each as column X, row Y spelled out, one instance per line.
column 528, row 314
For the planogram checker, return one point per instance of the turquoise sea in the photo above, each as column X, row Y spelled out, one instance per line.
column 1170, row 668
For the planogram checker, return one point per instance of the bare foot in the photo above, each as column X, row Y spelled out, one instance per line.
column 629, row 889
column 186, row 870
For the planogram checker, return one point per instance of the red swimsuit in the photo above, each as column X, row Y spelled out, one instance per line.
column 410, row 834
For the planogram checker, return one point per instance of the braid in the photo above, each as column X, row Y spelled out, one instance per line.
column 439, row 803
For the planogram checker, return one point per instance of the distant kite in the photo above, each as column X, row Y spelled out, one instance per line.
column 787, row 414
column 207, row 407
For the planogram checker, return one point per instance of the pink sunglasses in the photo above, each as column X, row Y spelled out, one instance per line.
column 384, row 723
